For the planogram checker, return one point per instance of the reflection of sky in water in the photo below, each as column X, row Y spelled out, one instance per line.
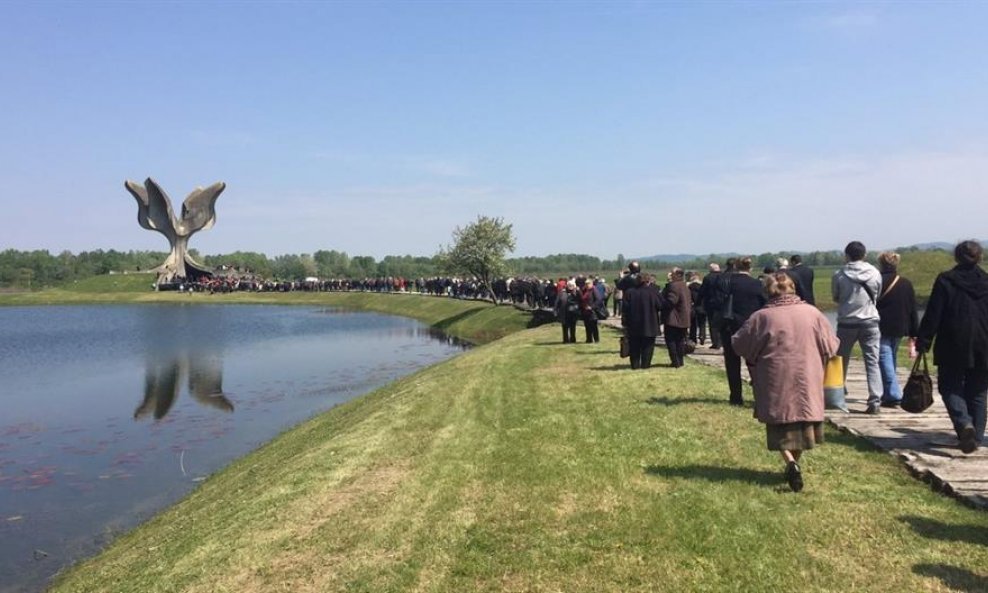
column 110, row 413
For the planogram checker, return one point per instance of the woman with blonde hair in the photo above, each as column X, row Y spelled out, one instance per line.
column 788, row 343
column 897, row 318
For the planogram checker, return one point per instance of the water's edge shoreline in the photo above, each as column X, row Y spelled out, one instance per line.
column 468, row 321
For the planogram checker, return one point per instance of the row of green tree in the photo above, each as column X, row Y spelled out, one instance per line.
column 40, row 268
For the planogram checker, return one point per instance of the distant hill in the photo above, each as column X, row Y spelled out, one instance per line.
column 675, row 258
column 942, row 245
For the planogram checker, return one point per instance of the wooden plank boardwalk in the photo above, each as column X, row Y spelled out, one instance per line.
column 925, row 443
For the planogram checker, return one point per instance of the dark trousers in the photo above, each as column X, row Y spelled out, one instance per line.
column 716, row 330
column 698, row 327
column 676, row 344
column 642, row 348
column 569, row 330
column 964, row 395
column 732, row 364
column 617, row 307
column 590, row 325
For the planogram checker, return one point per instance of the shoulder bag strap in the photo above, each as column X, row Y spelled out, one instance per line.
column 890, row 287
column 863, row 284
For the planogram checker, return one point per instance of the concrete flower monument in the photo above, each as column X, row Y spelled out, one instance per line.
column 154, row 212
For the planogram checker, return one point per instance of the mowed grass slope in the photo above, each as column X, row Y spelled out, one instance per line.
column 529, row 465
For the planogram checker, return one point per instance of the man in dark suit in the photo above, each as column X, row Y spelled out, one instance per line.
column 802, row 276
column 712, row 302
column 640, row 318
column 629, row 279
column 746, row 296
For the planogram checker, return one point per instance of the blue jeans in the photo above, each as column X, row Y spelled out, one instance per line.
column 888, row 347
column 964, row 394
column 868, row 337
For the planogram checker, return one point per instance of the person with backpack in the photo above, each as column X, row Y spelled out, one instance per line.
column 855, row 288
column 956, row 324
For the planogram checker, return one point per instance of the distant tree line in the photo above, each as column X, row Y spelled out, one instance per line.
column 41, row 269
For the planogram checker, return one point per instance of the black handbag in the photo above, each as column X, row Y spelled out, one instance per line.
column 917, row 395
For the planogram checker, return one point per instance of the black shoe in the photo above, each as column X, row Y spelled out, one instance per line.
column 737, row 402
column 794, row 476
column 874, row 409
column 968, row 442
column 891, row 403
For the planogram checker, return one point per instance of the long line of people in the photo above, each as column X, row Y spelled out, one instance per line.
column 771, row 323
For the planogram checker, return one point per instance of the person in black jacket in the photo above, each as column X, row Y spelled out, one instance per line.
column 640, row 318
column 745, row 295
column 630, row 278
column 712, row 301
column 698, row 321
column 957, row 318
column 568, row 311
column 802, row 275
column 897, row 318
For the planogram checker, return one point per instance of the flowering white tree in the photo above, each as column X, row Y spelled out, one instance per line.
column 478, row 250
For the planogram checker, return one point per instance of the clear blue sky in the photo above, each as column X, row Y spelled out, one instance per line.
column 375, row 128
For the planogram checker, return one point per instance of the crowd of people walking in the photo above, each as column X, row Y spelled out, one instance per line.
column 771, row 324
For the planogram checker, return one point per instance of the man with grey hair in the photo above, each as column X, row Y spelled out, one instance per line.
column 855, row 288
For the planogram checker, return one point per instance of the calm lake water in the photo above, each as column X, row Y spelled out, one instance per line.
column 109, row 414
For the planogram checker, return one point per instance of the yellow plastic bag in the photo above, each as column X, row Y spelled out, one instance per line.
column 833, row 385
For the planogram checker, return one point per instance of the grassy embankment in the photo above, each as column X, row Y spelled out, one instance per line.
column 527, row 465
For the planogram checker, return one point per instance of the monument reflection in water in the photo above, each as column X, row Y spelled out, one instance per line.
column 163, row 381
column 174, row 357
column 112, row 413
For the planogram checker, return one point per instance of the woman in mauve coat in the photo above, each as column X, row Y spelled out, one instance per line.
column 788, row 344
